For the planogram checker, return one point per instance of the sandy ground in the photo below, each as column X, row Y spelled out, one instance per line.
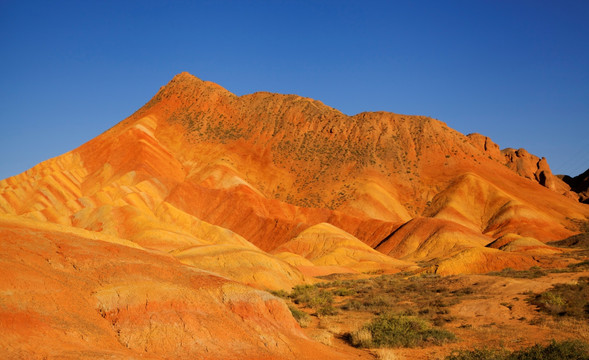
column 497, row 315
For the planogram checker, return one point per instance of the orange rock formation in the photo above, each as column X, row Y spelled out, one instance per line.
column 66, row 295
column 264, row 190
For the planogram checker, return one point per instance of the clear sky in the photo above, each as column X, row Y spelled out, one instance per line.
column 516, row 71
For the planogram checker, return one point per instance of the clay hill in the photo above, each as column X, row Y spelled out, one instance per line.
column 157, row 238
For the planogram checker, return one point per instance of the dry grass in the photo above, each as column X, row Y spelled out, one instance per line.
column 361, row 338
column 430, row 300
column 330, row 325
column 428, row 296
column 325, row 337
column 300, row 316
column 565, row 299
column 563, row 350
column 392, row 330
column 387, row 354
column 579, row 327
column 532, row 273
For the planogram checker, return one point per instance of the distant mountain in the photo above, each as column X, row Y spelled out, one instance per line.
column 579, row 184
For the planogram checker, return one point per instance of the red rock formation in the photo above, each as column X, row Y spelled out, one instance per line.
column 485, row 144
column 65, row 296
column 268, row 166
column 203, row 177
column 534, row 168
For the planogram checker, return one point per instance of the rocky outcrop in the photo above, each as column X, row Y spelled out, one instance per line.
column 579, row 184
column 485, row 144
column 534, row 168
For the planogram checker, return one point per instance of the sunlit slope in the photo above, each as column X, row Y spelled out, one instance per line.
column 518, row 243
column 122, row 193
column 280, row 150
column 424, row 239
column 66, row 296
column 249, row 266
column 325, row 245
column 482, row 206
column 482, row 260
column 199, row 166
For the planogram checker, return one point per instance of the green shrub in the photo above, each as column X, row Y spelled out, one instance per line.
column 463, row 291
column 583, row 265
column 280, row 293
column 353, row 305
column 321, row 299
column 302, row 294
column 478, row 354
column 382, row 294
column 391, row 330
column 344, row 292
column 300, row 316
column 311, row 296
column 327, row 310
column 361, row 338
column 532, row 273
column 564, row 350
column 565, row 299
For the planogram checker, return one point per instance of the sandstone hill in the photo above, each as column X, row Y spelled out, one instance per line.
column 72, row 294
column 202, row 190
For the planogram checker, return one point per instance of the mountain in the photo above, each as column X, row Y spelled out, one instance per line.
column 579, row 185
column 72, row 294
column 198, row 165
column 203, row 189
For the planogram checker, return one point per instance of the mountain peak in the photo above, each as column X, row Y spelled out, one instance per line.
column 183, row 79
column 185, row 84
column 184, row 76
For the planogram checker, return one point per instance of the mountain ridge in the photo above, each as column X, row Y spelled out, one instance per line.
column 288, row 161
column 168, row 228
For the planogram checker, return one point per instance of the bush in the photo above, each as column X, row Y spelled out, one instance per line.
column 565, row 299
column 353, row 305
column 583, row 265
column 564, row 350
column 300, row 316
column 381, row 294
column 327, row 310
column 532, row 273
column 387, row 354
column 315, row 298
column 390, row 330
column 361, row 338
column 280, row 293
column 302, row 294
column 344, row 292
column 478, row 354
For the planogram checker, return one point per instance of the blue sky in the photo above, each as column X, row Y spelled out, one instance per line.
column 516, row 71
